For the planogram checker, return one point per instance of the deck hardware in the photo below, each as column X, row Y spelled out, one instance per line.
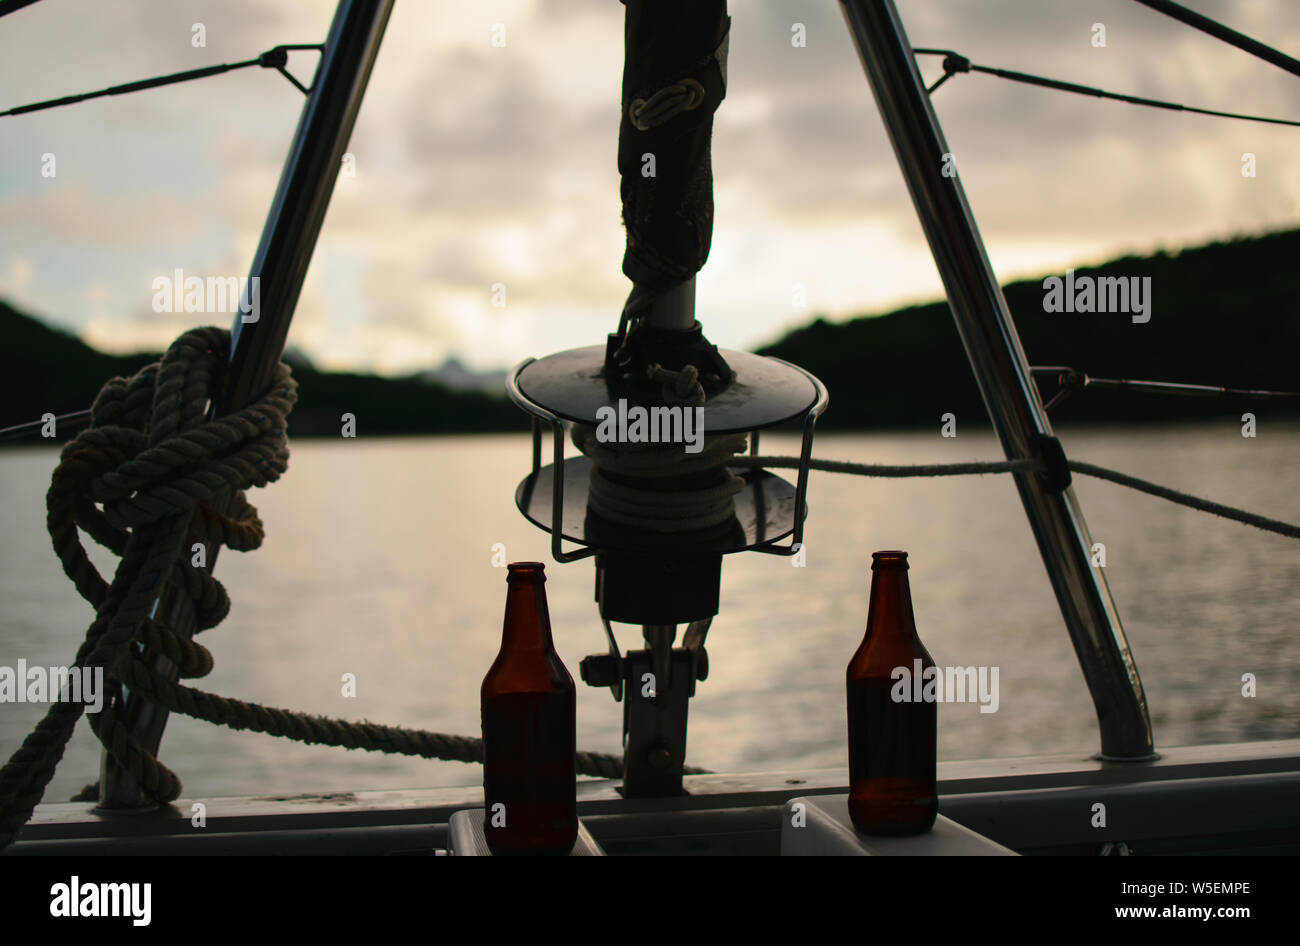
column 651, row 579
column 1056, row 473
column 658, row 510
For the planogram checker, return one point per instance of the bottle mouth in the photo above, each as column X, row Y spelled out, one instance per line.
column 525, row 571
column 889, row 558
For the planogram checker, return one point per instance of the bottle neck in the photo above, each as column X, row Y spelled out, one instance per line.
column 890, row 610
column 527, row 623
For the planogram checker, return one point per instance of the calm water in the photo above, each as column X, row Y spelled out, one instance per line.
column 378, row 563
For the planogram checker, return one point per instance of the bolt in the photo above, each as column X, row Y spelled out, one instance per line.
column 599, row 670
column 659, row 757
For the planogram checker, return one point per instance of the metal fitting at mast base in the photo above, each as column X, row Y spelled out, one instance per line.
column 673, row 309
column 660, row 330
column 650, row 589
column 658, row 683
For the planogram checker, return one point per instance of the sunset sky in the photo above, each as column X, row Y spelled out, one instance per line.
column 477, row 165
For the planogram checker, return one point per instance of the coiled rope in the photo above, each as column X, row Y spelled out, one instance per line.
column 658, row 486
column 147, row 480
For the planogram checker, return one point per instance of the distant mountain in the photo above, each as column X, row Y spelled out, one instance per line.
column 44, row 369
column 1224, row 314
column 454, row 376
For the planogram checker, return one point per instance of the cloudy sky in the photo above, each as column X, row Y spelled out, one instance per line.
column 478, row 164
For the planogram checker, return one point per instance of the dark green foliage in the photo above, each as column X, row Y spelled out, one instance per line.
column 1225, row 314
column 44, row 369
column 394, row 406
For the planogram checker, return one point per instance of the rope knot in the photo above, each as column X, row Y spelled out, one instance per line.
column 679, row 388
column 153, row 479
column 666, row 104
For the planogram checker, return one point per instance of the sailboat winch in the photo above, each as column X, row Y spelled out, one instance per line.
column 658, row 411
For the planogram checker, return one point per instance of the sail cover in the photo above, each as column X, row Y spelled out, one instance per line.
column 674, row 77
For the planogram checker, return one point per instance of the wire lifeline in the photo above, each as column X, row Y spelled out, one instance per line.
column 1220, row 32
column 11, row 6
column 955, row 63
column 274, row 58
column 1029, row 466
column 1081, row 379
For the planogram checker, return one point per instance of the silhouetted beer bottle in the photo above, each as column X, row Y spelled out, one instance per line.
column 529, row 723
column 892, row 733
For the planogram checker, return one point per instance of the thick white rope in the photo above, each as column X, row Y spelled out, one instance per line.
column 650, row 505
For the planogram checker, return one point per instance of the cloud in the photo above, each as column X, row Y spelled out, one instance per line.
column 62, row 213
column 477, row 164
column 18, row 275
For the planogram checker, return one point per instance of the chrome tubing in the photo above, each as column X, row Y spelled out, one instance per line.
column 289, row 236
column 998, row 361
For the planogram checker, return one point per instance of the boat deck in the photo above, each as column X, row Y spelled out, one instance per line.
column 1219, row 799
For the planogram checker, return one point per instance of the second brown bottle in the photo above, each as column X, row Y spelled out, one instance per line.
column 529, row 708
column 892, row 742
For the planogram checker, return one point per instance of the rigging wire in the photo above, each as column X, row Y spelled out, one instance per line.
column 955, row 63
column 1031, row 465
column 1219, row 31
column 73, row 419
column 1070, row 379
column 10, row 6
column 275, row 58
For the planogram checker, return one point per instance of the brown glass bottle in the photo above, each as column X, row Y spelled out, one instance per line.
column 529, row 708
column 892, row 742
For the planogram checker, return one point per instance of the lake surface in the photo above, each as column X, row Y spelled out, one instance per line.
column 378, row 563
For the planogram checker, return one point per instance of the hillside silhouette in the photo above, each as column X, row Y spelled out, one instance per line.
column 1223, row 314
column 49, row 370
column 1226, row 314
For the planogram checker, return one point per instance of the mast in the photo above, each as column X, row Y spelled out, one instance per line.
column 658, row 518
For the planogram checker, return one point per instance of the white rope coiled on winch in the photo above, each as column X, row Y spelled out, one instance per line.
column 653, row 505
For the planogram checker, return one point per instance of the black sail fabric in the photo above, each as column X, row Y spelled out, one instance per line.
column 674, row 77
